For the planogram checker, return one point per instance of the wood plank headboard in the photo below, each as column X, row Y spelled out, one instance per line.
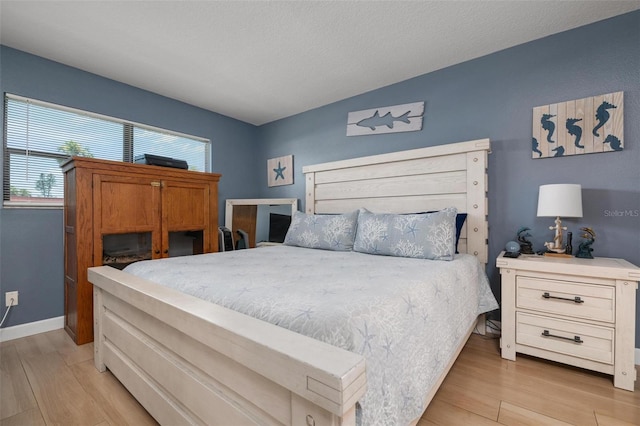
column 417, row 180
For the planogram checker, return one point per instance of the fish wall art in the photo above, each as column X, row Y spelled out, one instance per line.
column 280, row 171
column 583, row 126
column 392, row 119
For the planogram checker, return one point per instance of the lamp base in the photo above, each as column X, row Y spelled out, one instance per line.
column 550, row 246
column 556, row 245
column 552, row 254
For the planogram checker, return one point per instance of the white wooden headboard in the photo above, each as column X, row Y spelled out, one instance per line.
column 410, row 181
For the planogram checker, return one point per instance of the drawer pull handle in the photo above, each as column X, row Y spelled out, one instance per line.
column 576, row 339
column 576, row 299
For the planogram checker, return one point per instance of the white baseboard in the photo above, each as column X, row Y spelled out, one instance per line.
column 31, row 328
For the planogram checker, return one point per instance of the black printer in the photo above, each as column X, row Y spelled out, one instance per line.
column 157, row 160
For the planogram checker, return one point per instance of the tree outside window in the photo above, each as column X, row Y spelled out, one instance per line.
column 73, row 148
column 20, row 192
column 45, row 183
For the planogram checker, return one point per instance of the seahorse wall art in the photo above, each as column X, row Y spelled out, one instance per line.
column 583, row 126
column 392, row 119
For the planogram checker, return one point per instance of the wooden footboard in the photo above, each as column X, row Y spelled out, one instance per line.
column 188, row 361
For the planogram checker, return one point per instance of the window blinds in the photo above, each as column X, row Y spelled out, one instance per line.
column 39, row 137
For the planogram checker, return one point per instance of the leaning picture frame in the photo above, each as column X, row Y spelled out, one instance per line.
column 280, row 171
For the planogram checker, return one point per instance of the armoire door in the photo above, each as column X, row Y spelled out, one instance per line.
column 126, row 215
column 186, row 227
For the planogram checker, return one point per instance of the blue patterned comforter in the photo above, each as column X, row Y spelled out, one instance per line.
column 405, row 316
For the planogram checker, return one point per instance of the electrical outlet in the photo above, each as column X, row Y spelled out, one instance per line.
column 11, row 295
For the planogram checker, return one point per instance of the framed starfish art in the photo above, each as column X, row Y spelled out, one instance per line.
column 280, row 171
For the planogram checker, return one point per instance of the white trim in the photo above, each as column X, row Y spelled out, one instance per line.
column 31, row 328
column 26, row 204
column 637, row 356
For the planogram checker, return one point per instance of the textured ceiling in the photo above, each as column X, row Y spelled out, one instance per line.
column 260, row 61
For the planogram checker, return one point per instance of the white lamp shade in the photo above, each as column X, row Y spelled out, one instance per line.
column 560, row 200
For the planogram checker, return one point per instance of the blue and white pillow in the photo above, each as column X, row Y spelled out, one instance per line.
column 460, row 219
column 327, row 232
column 424, row 236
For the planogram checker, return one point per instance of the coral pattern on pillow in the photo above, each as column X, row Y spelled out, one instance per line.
column 327, row 232
column 423, row 236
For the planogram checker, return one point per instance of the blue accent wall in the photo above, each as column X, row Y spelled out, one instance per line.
column 493, row 97
column 31, row 240
column 489, row 97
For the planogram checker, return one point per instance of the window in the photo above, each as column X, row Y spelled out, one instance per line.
column 40, row 136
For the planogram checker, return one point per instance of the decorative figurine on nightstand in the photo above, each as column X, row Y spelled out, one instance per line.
column 512, row 249
column 525, row 245
column 584, row 249
column 569, row 247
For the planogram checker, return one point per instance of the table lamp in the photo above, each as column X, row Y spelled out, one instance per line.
column 559, row 200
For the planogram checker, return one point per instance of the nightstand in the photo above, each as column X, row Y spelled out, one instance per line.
column 580, row 312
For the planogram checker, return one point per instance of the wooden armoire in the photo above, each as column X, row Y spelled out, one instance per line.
column 117, row 213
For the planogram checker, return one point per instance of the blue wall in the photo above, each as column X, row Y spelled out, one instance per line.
column 31, row 241
column 493, row 97
column 490, row 97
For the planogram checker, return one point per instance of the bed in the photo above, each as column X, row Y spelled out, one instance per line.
column 189, row 361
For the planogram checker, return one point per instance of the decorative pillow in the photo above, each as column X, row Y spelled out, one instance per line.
column 460, row 219
column 327, row 232
column 423, row 236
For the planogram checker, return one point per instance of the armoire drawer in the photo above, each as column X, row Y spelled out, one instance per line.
column 567, row 298
column 576, row 339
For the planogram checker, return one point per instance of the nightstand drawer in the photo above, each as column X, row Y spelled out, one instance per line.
column 566, row 337
column 575, row 299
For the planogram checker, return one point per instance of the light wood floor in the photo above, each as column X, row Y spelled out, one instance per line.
column 47, row 379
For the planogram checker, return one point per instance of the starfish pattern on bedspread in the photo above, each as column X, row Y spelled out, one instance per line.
column 380, row 306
